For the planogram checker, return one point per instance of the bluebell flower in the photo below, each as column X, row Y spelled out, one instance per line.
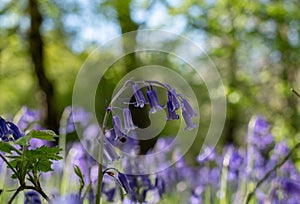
column 109, row 153
column 172, row 98
column 171, row 112
column 128, row 123
column 32, row 197
column 262, row 138
column 160, row 185
column 196, row 197
column 139, row 96
column 188, row 121
column 3, row 129
column 187, row 108
column 7, row 129
column 68, row 199
column 120, row 178
column 110, row 194
column 14, row 130
column 118, row 129
column 188, row 113
column 153, row 101
column 290, row 187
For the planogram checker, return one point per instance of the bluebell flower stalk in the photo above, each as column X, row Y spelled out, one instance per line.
column 175, row 101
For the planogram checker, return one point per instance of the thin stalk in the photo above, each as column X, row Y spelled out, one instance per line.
column 63, row 131
column 224, row 174
column 108, row 111
column 100, row 166
column 266, row 176
column 8, row 164
column 295, row 92
column 245, row 179
column 21, row 188
column 3, row 182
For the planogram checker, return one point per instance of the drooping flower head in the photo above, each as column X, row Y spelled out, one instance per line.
column 139, row 96
column 9, row 131
column 120, row 178
column 153, row 100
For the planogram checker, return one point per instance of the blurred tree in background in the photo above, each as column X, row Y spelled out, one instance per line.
column 254, row 44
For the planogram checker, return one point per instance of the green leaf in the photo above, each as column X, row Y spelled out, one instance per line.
column 40, row 158
column 23, row 140
column 48, row 135
column 78, row 172
column 6, row 147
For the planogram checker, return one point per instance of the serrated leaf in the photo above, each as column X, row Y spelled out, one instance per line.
column 24, row 141
column 48, row 135
column 6, row 147
column 44, row 166
column 40, row 158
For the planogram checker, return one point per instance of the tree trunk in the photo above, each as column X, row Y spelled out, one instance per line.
column 46, row 90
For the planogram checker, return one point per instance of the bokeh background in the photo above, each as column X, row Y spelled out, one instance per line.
column 254, row 44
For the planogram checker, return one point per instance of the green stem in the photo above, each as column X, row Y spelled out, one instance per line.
column 21, row 188
column 8, row 164
column 245, row 181
column 108, row 110
column 100, row 166
column 266, row 176
column 224, row 174
column 295, row 92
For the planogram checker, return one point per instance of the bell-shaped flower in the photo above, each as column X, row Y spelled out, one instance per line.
column 14, row 130
column 172, row 98
column 139, row 96
column 109, row 152
column 128, row 123
column 171, row 112
column 120, row 178
column 3, row 129
column 153, row 101
column 118, row 129
column 188, row 120
column 187, row 108
column 188, row 113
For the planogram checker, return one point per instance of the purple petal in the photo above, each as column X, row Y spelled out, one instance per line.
column 172, row 97
column 153, row 101
column 139, row 96
column 3, row 129
column 188, row 121
column 128, row 123
column 171, row 112
column 14, row 130
column 117, row 126
column 187, row 108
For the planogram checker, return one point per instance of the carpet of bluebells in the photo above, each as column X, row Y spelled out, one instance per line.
column 261, row 172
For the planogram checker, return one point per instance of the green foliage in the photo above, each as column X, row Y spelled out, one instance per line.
column 7, row 147
column 30, row 163
column 80, row 176
column 47, row 135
